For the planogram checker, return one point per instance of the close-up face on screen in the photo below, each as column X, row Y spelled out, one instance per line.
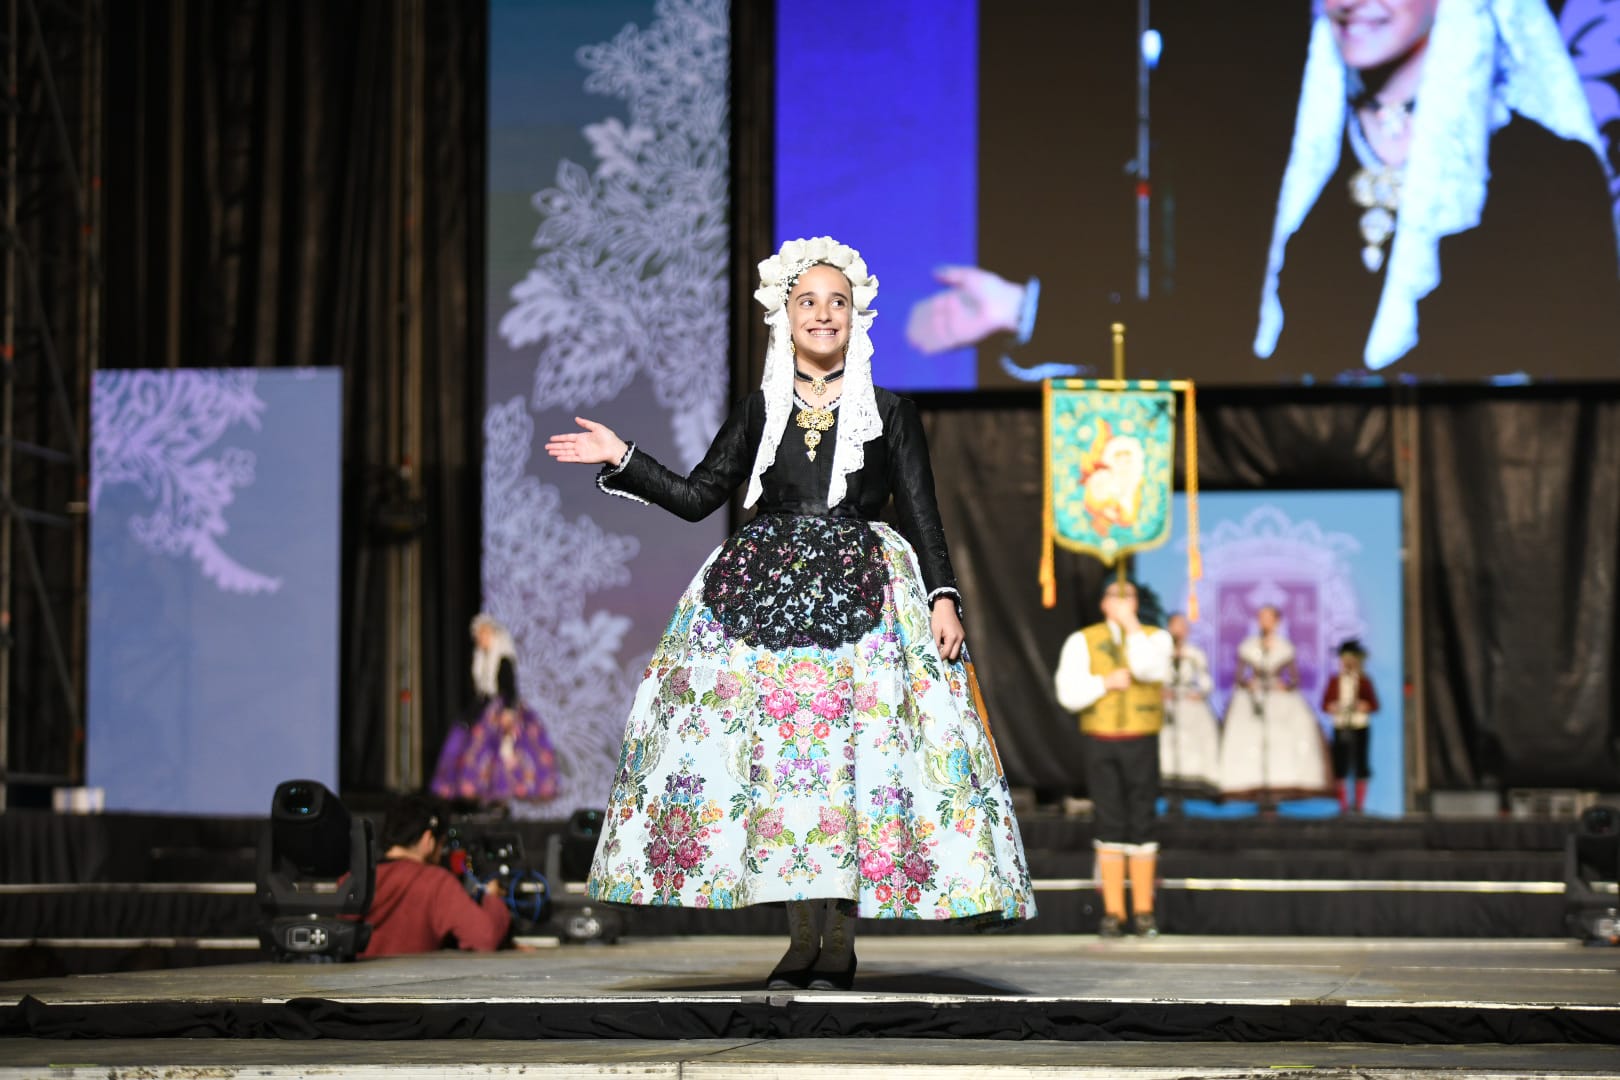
column 1280, row 192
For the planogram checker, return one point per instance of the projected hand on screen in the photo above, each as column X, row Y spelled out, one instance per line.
column 596, row 445
column 976, row 305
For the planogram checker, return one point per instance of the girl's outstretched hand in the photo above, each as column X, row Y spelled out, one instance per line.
column 596, row 445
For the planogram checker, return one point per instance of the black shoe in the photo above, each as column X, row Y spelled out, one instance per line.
column 790, row 973
column 1111, row 927
column 821, row 978
column 1145, row 925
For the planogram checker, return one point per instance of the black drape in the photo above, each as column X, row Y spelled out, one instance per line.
column 262, row 211
column 1520, row 503
column 1517, row 494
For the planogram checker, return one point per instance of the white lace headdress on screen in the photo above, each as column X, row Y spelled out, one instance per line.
column 858, row 419
column 1485, row 60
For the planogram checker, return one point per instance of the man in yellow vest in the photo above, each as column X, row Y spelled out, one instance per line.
column 1113, row 674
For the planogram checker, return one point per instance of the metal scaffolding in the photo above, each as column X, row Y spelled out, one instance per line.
column 50, row 339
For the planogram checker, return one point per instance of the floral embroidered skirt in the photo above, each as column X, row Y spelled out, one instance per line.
column 498, row 758
column 764, row 762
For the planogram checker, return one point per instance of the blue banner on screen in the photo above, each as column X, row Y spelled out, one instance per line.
column 1329, row 562
column 214, row 559
column 877, row 146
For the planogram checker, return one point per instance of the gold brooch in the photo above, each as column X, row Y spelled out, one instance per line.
column 814, row 422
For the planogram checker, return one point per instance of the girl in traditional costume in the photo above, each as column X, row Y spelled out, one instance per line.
column 807, row 731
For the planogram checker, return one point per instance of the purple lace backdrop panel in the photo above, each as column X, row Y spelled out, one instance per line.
column 215, row 524
column 608, row 262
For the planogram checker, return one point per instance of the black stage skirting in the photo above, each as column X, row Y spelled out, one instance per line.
column 995, row 1018
column 1221, row 877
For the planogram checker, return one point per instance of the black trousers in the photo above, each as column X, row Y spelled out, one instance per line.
column 1350, row 747
column 1122, row 778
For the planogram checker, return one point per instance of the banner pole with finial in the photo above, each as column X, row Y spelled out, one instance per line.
column 1119, row 388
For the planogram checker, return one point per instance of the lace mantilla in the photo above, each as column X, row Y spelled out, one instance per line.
column 858, row 421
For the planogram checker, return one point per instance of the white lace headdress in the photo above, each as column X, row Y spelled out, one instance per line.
column 486, row 663
column 858, row 419
column 1485, row 59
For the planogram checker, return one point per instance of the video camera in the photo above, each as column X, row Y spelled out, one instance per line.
column 483, row 858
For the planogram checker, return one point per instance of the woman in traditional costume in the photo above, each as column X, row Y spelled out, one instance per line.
column 807, row 731
column 1190, row 741
column 1272, row 748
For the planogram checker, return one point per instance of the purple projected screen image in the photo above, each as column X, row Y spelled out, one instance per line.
column 1328, row 192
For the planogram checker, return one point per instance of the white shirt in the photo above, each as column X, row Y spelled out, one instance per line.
column 1147, row 654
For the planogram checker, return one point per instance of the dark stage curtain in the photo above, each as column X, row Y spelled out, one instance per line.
column 1518, row 496
column 1521, row 518
column 259, row 215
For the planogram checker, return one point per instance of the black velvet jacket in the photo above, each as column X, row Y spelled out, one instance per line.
column 896, row 464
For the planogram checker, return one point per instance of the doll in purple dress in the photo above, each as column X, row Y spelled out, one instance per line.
column 504, row 753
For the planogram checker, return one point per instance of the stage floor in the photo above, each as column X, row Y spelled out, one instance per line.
column 1511, row 974
column 1003, row 1005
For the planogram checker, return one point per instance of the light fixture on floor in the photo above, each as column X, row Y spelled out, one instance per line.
column 316, row 866
column 568, row 858
column 1591, row 870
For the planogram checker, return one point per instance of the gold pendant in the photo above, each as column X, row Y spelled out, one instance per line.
column 818, row 386
column 814, row 422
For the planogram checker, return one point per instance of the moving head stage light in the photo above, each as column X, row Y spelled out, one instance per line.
column 1591, row 869
column 316, row 866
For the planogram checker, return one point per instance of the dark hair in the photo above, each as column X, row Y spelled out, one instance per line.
column 1149, row 608
column 1354, row 647
column 412, row 815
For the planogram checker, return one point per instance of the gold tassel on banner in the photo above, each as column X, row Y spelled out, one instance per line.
column 1195, row 558
column 1048, row 569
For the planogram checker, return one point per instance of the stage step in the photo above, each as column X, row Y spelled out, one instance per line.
column 790, row 1059
column 98, row 887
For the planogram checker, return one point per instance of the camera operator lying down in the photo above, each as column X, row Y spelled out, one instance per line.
column 419, row 905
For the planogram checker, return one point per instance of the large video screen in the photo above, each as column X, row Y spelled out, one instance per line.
column 1275, row 192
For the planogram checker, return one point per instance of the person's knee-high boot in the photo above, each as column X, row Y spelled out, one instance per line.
column 835, row 967
column 792, row 972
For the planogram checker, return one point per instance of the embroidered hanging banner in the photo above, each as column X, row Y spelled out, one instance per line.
column 1109, row 463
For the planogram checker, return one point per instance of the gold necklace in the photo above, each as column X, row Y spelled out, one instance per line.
column 818, row 384
column 814, row 420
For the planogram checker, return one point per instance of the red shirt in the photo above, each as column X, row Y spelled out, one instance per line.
column 418, row 907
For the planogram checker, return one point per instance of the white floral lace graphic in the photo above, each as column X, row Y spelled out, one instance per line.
column 631, row 275
column 151, row 429
column 1591, row 28
column 538, row 570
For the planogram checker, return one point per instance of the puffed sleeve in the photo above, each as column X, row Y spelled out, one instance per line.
column 1077, row 688
column 706, row 488
column 911, row 478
